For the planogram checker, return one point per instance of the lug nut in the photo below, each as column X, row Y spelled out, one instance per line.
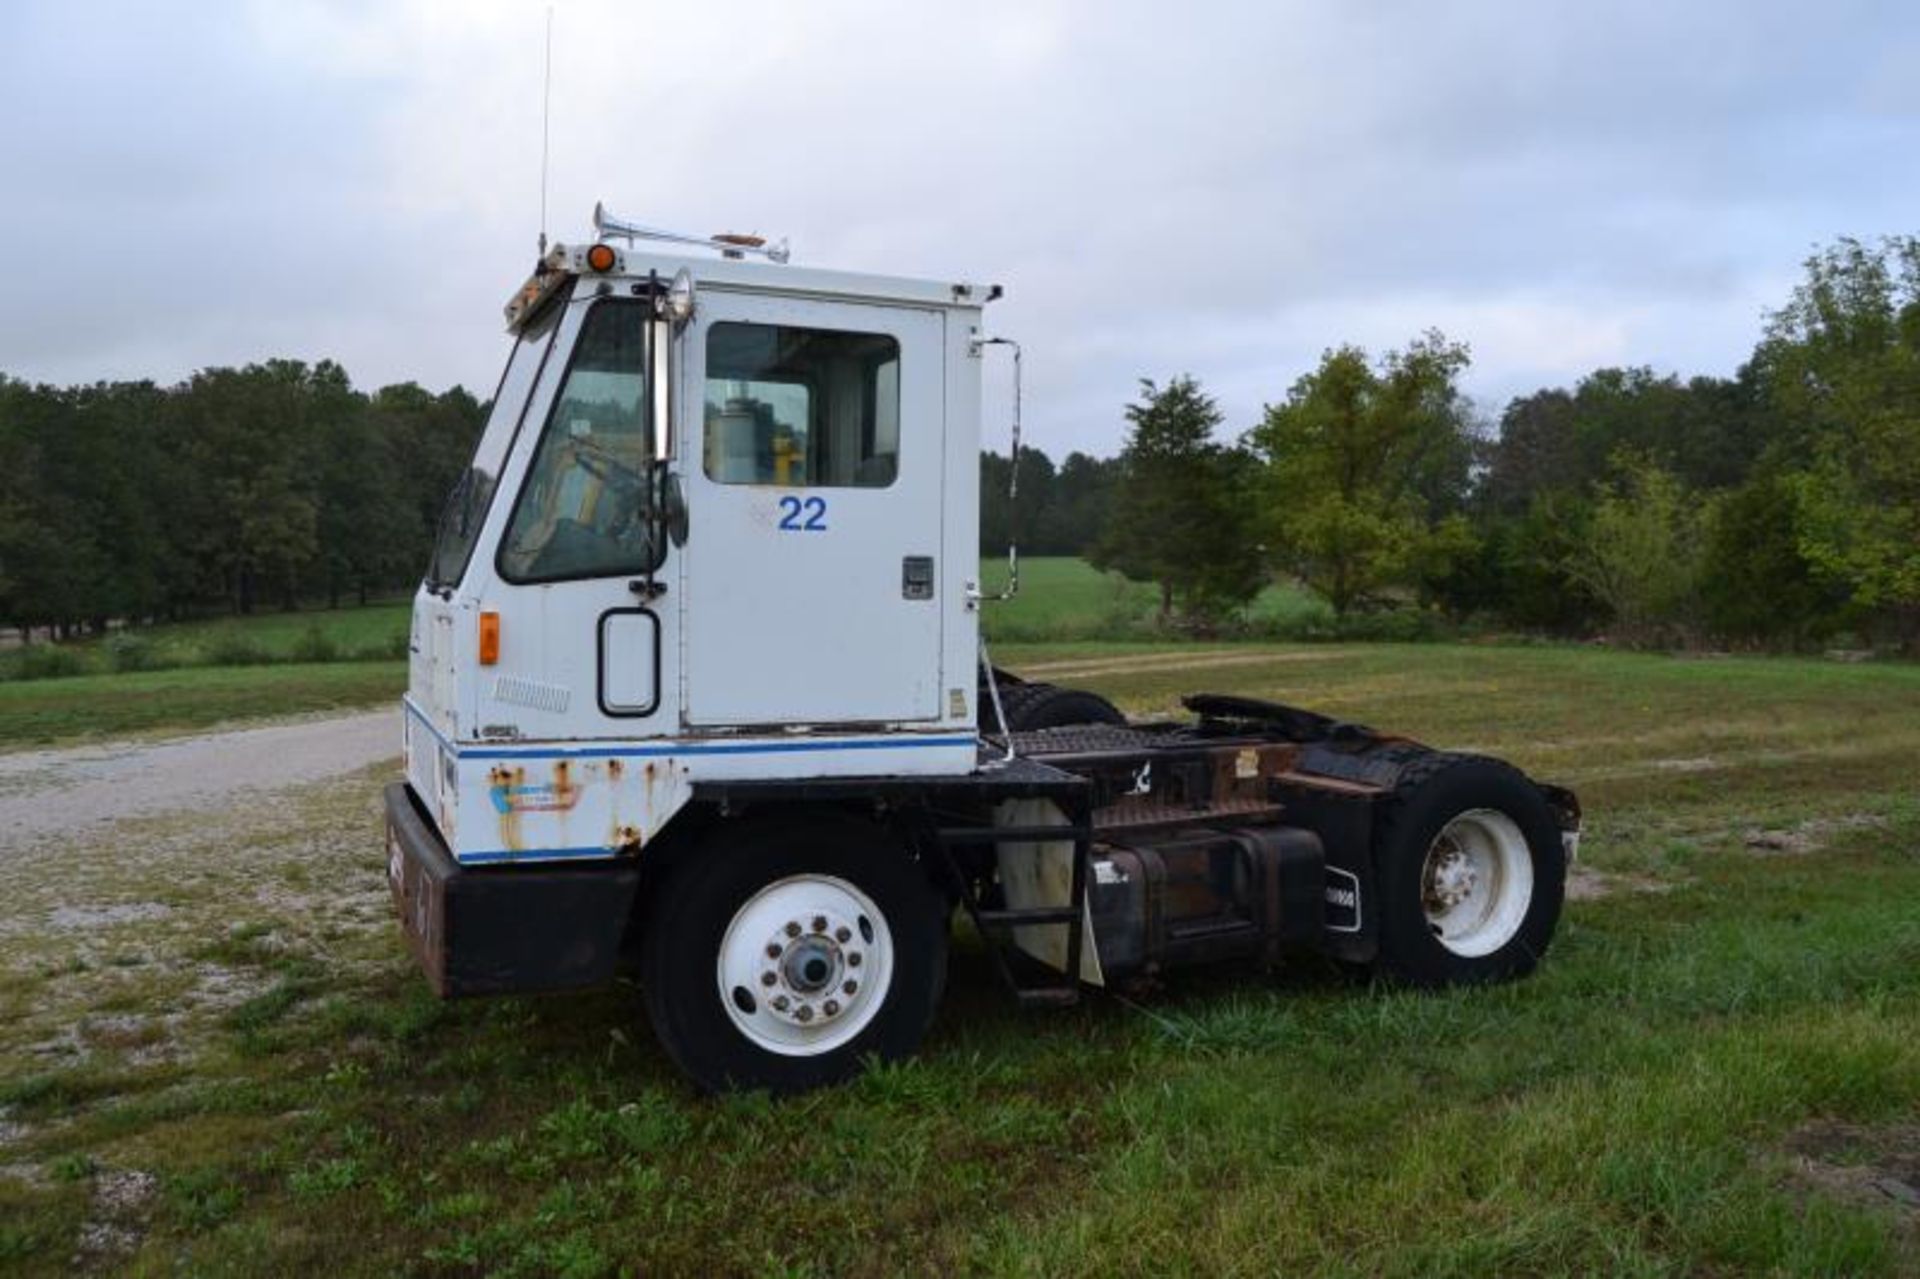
column 773, row 951
column 853, row 959
column 767, row 979
column 804, row 1012
column 831, row 1007
column 780, row 1003
column 819, row 923
column 793, row 928
column 849, row 987
column 842, row 933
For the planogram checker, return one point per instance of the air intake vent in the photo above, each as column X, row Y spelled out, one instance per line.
column 527, row 692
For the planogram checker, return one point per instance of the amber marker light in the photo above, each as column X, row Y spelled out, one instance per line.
column 600, row 257
column 489, row 639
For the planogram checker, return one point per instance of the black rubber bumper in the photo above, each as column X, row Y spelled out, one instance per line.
column 502, row 929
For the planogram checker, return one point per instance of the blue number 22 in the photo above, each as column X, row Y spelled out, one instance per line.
column 803, row 516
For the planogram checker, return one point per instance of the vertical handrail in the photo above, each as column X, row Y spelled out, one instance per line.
column 1013, row 480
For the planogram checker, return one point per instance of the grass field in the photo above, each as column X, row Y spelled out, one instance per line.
column 377, row 632
column 1063, row 599
column 375, row 628
column 216, row 1058
column 86, row 707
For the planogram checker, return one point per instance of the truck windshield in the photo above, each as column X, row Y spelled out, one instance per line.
column 466, row 506
column 584, row 509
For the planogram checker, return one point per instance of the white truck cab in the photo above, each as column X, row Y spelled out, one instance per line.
column 810, row 608
column 696, row 682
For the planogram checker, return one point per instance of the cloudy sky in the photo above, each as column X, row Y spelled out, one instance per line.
column 1220, row 189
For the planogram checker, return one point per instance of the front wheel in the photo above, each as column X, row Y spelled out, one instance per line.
column 781, row 956
column 1472, row 873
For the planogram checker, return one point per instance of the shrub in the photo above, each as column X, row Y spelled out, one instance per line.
column 386, row 650
column 50, row 661
column 234, row 648
column 315, row 645
column 129, row 652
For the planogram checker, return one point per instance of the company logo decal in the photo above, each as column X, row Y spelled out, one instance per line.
column 510, row 792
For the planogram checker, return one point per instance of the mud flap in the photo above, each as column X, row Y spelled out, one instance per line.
column 1038, row 874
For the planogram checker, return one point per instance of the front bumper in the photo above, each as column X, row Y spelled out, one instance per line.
column 502, row 929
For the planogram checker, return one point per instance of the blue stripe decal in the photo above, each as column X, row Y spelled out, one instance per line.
column 903, row 742
column 493, row 855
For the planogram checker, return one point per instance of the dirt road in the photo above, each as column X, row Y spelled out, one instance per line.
column 45, row 792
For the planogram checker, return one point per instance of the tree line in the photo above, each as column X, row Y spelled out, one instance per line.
column 264, row 486
column 1779, row 506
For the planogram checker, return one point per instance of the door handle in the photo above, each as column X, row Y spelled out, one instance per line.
column 916, row 577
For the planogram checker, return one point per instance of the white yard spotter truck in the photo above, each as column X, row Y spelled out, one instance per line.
column 696, row 681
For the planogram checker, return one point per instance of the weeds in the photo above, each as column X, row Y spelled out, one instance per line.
column 1630, row 1108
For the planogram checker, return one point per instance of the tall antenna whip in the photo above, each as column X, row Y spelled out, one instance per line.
column 546, row 131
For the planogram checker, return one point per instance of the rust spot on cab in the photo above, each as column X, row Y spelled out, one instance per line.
column 626, row 837
column 614, row 769
column 506, row 782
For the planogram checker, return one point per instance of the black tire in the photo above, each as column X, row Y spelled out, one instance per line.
column 698, row 900
column 1050, row 706
column 1433, row 791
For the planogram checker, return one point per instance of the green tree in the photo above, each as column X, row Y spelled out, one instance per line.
column 1758, row 585
column 1364, row 467
column 1180, row 513
column 1841, row 362
column 1082, row 493
column 1643, row 553
column 1024, row 516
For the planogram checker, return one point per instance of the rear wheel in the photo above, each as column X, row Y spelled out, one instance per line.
column 781, row 956
column 1050, row 706
column 1472, row 873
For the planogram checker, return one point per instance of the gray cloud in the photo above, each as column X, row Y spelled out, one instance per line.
column 1223, row 189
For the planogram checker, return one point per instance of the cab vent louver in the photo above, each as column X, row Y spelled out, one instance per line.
column 532, row 693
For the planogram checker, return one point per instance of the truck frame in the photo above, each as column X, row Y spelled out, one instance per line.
column 696, row 682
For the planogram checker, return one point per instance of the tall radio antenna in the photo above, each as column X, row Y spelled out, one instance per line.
column 546, row 131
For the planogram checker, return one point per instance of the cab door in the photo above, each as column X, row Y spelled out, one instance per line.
column 577, row 649
column 811, row 586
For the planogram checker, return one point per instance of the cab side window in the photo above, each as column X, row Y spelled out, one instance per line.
column 582, row 511
column 802, row 408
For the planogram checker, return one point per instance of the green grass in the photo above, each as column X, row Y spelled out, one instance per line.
column 377, row 632
column 374, row 628
column 1626, row 1110
column 44, row 712
column 1062, row 598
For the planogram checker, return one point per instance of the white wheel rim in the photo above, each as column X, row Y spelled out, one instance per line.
column 805, row 965
column 1477, row 882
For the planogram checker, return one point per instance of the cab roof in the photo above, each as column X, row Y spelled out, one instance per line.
column 567, row 262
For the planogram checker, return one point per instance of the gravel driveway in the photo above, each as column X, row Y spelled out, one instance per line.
column 45, row 792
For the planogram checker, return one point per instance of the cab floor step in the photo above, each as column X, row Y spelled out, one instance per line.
column 1009, row 834
column 1027, row 915
column 1048, row 997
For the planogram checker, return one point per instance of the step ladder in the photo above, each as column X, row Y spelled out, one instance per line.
column 996, row 924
